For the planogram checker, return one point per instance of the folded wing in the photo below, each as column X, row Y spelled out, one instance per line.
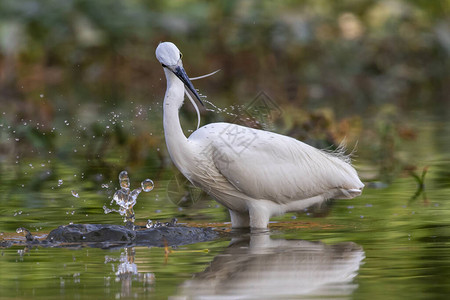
column 266, row 165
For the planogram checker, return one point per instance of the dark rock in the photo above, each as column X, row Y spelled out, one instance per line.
column 5, row 244
column 174, row 236
column 91, row 233
column 106, row 236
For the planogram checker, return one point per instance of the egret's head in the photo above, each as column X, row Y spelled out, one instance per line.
column 170, row 58
column 168, row 54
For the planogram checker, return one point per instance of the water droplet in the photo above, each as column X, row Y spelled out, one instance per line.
column 60, row 182
column 149, row 224
column 124, row 180
column 133, row 196
column 108, row 210
column 105, row 186
column 121, row 197
column 147, row 185
column 75, row 194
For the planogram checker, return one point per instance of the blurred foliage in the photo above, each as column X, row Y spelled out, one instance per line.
column 351, row 52
column 79, row 77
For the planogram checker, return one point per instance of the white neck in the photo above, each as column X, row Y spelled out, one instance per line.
column 176, row 141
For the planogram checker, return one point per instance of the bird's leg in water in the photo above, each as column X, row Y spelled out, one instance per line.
column 260, row 212
column 239, row 220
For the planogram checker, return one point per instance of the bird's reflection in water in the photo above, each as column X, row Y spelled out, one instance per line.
column 260, row 267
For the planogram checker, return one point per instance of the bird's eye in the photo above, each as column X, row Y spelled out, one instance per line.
column 181, row 55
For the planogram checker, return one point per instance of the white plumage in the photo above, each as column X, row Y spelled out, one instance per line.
column 256, row 174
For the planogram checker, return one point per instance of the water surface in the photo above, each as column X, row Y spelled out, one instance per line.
column 385, row 244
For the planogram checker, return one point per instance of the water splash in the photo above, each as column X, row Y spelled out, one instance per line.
column 124, row 180
column 149, row 224
column 147, row 185
column 157, row 224
column 219, row 110
column 127, row 199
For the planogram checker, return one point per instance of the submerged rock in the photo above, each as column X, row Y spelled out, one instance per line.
column 93, row 233
column 172, row 236
column 108, row 235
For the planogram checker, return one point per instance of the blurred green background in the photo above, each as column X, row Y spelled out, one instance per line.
column 81, row 91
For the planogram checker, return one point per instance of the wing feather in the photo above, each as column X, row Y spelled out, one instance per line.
column 266, row 165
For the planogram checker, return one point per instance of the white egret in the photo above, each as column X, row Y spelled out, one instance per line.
column 256, row 174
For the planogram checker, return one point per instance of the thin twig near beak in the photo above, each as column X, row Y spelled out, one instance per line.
column 204, row 76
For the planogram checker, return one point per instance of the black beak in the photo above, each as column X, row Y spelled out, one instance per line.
column 181, row 74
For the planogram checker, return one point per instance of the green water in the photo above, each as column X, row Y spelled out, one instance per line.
column 381, row 245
